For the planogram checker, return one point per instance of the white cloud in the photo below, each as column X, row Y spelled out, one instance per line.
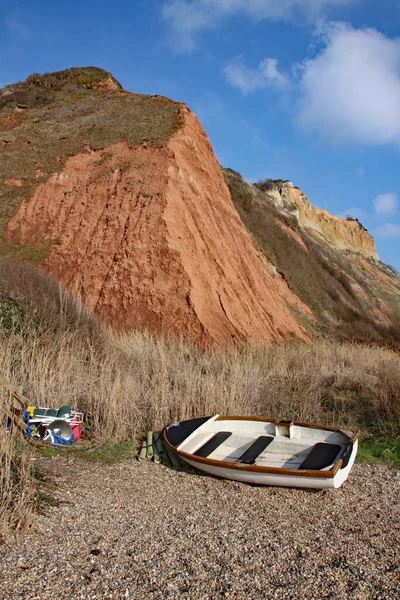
column 385, row 204
column 17, row 26
column 187, row 18
column 248, row 80
column 389, row 230
column 351, row 89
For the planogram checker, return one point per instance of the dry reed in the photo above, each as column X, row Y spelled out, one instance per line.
column 17, row 493
column 128, row 384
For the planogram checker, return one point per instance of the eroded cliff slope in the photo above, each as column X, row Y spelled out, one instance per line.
column 143, row 229
column 330, row 263
column 339, row 233
column 121, row 198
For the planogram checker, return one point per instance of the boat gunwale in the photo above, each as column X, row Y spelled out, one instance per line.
column 268, row 470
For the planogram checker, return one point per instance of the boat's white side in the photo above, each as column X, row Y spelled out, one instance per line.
column 281, row 461
column 276, row 479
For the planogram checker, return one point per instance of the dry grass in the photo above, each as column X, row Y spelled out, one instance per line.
column 17, row 493
column 133, row 383
column 129, row 384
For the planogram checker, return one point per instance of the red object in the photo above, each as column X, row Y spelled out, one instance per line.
column 76, row 429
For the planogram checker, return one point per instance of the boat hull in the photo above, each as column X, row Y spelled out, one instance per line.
column 276, row 480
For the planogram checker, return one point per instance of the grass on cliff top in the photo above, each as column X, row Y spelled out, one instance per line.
column 39, row 89
column 63, row 115
column 322, row 278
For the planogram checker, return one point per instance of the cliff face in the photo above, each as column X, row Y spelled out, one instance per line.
column 149, row 237
column 340, row 233
column 330, row 263
column 121, row 198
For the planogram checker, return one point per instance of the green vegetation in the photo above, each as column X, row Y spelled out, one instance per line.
column 350, row 218
column 11, row 314
column 111, row 453
column 40, row 90
column 323, row 279
column 379, row 451
column 65, row 113
column 108, row 453
column 48, row 499
column 266, row 185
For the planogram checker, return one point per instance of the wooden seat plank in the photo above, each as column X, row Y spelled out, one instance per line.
column 212, row 444
column 250, row 455
column 321, row 456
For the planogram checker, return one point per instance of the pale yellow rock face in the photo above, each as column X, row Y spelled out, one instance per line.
column 346, row 235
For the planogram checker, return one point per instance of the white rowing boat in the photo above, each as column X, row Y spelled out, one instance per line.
column 266, row 451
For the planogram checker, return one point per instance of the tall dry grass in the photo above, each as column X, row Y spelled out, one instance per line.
column 17, row 493
column 128, row 384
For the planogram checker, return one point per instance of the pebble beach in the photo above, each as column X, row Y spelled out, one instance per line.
column 142, row 530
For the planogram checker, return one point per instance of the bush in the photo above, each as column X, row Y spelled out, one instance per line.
column 39, row 90
column 350, row 218
column 266, row 185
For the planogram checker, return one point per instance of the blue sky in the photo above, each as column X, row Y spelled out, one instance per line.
column 306, row 90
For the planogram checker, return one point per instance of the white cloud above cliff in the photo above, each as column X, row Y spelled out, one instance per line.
column 188, row 18
column 267, row 74
column 350, row 91
column 355, row 212
column 16, row 26
column 389, row 230
column 385, row 204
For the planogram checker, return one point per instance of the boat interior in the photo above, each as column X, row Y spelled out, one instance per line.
column 279, row 444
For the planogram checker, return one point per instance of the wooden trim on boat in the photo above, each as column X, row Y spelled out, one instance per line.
column 262, row 419
column 287, row 423
column 356, row 434
column 255, row 468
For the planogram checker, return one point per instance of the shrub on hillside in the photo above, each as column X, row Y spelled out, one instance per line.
column 266, row 185
column 27, row 294
column 350, row 218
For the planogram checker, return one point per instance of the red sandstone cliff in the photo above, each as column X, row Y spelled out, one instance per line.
column 149, row 237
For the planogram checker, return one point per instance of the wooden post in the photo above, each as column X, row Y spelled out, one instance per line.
column 16, row 403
